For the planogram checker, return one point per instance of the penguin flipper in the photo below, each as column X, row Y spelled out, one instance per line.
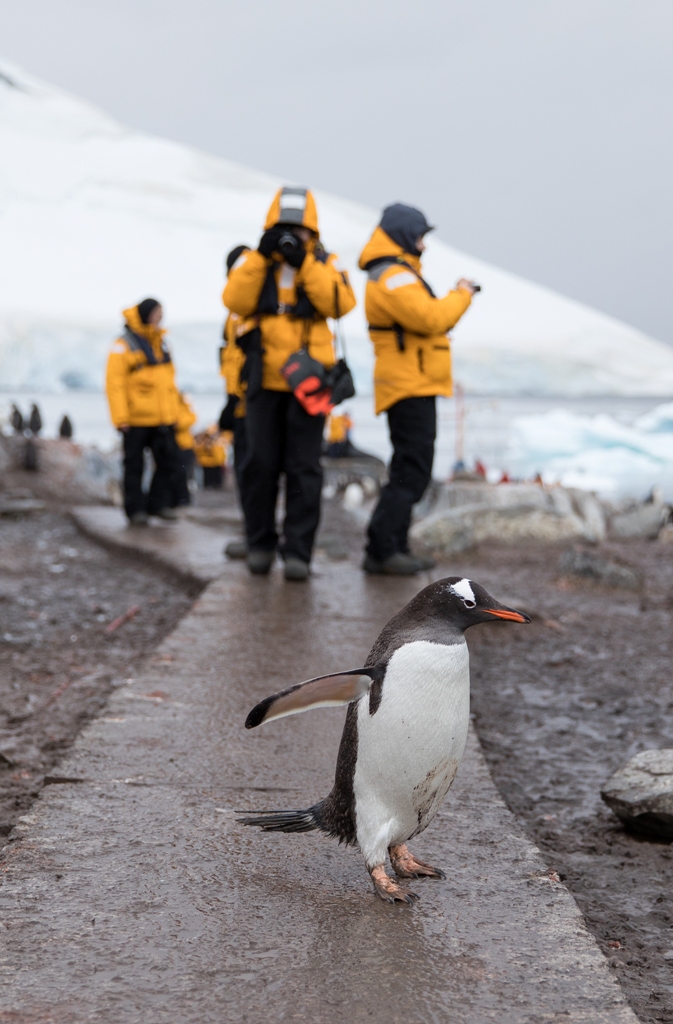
column 322, row 692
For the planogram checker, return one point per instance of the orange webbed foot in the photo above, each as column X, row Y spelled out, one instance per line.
column 405, row 865
column 387, row 889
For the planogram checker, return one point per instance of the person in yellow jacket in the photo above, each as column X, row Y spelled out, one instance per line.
column 338, row 443
column 291, row 284
column 184, row 439
column 232, row 356
column 211, row 455
column 408, row 326
column 144, row 401
column 232, row 417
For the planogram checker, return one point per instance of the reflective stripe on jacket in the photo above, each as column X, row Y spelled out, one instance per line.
column 408, row 324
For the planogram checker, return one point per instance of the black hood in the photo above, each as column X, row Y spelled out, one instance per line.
column 404, row 224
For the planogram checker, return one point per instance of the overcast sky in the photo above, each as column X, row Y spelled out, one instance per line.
column 536, row 134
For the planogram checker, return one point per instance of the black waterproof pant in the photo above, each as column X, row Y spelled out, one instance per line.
column 412, row 423
column 182, row 474
column 213, row 477
column 161, row 442
column 281, row 438
column 240, row 449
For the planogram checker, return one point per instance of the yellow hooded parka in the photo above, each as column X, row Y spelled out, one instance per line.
column 185, row 420
column 232, row 359
column 395, row 295
column 325, row 285
column 139, row 394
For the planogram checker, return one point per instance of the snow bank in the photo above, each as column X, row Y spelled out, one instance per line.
column 596, row 453
column 94, row 216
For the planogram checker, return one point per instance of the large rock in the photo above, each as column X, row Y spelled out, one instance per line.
column 642, row 520
column 641, row 794
column 464, row 514
column 71, row 472
column 601, row 570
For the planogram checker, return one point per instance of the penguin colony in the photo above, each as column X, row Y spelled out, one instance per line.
column 405, row 731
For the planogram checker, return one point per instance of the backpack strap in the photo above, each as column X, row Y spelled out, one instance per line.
column 375, row 269
column 137, row 343
column 397, row 328
column 268, row 304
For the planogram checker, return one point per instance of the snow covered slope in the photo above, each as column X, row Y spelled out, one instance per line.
column 94, row 217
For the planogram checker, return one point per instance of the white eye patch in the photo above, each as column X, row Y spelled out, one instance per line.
column 463, row 589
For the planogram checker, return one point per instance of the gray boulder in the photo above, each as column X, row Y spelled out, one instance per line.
column 641, row 794
column 466, row 513
column 601, row 570
column 644, row 521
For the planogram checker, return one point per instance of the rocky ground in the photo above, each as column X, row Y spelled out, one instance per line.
column 59, row 594
column 559, row 706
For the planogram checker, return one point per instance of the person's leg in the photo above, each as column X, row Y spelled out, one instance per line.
column 238, row 548
column 213, row 477
column 415, row 438
column 189, row 462
column 303, row 480
column 412, row 426
column 265, row 433
column 165, row 455
column 135, row 441
column 240, row 448
column 179, row 491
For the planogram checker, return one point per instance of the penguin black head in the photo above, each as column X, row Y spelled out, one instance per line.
column 462, row 603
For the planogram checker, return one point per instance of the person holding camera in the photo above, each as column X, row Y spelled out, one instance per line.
column 291, row 285
column 408, row 326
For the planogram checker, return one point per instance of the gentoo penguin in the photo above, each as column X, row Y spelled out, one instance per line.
column 405, row 731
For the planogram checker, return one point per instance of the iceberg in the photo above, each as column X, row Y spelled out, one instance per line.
column 95, row 216
column 596, row 453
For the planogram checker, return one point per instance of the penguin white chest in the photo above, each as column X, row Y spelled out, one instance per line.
column 409, row 750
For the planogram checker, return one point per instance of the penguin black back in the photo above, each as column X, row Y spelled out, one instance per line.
column 439, row 614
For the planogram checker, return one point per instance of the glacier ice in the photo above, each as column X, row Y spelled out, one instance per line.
column 596, row 453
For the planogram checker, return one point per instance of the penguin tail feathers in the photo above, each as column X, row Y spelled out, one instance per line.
column 284, row 821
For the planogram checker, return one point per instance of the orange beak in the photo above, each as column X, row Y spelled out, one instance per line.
column 508, row 614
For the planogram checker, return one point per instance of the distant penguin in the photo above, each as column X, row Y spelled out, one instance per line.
column 16, row 419
column 30, row 459
column 404, row 735
column 65, row 429
column 35, row 421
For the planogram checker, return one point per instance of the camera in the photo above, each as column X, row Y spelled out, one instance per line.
column 288, row 244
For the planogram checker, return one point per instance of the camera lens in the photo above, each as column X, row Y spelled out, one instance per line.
column 288, row 244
